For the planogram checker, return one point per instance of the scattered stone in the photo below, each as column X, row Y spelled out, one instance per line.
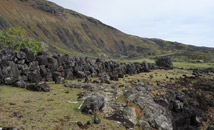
column 80, row 125
column 41, row 86
column 97, row 121
column 21, row 84
column 9, row 128
column 12, row 103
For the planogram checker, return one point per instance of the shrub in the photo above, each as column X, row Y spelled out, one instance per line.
column 16, row 38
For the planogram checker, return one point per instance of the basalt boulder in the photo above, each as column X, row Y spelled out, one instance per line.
column 10, row 73
column 42, row 60
column 164, row 62
column 29, row 55
column 34, row 77
column 92, row 104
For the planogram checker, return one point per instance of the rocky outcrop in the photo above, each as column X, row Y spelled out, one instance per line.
column 153, row 115
column 135, row 104
column 127, row 116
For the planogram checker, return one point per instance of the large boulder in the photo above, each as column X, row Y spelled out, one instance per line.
column 52, row 64
column 92, row 104
column 164, row 62
column 29, row 55
column 10, row 73
column 42, row 60
column 131, row 69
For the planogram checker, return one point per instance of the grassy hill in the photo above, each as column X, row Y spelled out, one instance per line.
column 67, row 31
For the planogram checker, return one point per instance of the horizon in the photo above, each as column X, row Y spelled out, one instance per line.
column 185, row 22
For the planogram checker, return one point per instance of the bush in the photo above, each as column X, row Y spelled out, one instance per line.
column 16, row 38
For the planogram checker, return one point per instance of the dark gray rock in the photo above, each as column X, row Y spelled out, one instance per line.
column 43, row 71
column 210, row 128
column 52, row 64
column 104, row 78
column 34, row 77
column 20, row 55
column 92, row 104
column 41, row 86
column 164, row 62
column 10, row 73
column 57, row 77
column 29, row 54
column 127, row 117
column 42, row 60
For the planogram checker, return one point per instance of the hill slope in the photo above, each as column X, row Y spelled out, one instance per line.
column 70, row 32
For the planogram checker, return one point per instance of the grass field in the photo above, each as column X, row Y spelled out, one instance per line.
column 176, row 64
column 193, row 65
column 45, row 111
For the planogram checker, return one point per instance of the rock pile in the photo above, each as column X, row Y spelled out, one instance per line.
column 164, row 62
column 23, row 67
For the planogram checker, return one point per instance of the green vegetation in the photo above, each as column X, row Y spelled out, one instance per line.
column 16, row 38
column 193, row 65
column 43, row 111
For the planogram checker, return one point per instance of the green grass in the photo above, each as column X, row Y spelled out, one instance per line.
column 193, row 65
column 39, row 110
column 158, row 75
column 140, row 60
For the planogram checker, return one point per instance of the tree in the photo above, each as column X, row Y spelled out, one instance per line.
column 16, row 38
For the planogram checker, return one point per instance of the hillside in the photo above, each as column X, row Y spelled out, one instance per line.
column 67, row 31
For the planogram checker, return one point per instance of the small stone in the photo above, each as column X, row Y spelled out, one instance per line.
column 97, row 121
column 12, row 103
column 89, row 123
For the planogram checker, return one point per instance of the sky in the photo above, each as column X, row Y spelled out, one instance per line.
column 186, row 21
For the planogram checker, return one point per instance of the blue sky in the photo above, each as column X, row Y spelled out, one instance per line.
column 185, row 21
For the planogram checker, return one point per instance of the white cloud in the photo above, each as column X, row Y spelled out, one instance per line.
column 187, row 21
